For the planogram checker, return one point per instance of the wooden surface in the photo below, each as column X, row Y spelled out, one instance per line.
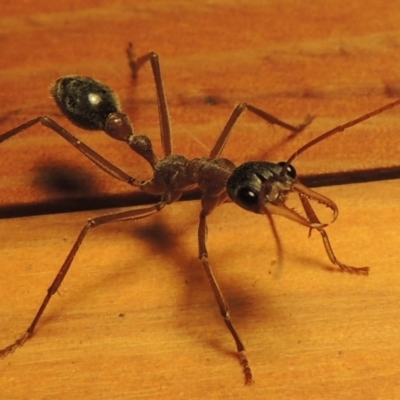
column 136, row 318
column 282, row 57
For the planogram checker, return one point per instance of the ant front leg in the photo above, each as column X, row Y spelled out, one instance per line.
column 237, row 112
column 329, row 251
column 223, row 305
column 129, row 215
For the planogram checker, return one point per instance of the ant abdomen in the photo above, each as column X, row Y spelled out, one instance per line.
column 92, row 105
column 87, row 103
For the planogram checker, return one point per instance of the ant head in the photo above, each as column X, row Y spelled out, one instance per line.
column 87, row 103
column 264, row 188
column 257, row 182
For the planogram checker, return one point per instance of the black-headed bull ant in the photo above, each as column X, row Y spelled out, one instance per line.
column 261, row 187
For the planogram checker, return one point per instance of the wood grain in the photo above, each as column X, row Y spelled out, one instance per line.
column 135, row 317
column 285, row 58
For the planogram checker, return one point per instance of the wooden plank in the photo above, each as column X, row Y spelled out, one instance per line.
column 136, row 317
column 288, row 58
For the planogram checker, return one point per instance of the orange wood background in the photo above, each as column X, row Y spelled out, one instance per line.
column 310, row 333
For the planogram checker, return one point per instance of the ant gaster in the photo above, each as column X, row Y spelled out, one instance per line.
column 260, row 187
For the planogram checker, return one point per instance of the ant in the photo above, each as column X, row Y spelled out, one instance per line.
column 258, row 186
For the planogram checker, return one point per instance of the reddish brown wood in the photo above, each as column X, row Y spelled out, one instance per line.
column 310, row 333
column 287, row 58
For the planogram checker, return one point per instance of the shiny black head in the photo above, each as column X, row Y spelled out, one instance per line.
column 250, row 179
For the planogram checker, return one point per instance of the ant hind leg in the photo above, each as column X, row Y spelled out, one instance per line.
column 130, row 215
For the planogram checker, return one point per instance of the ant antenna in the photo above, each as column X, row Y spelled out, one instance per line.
column 339, row 129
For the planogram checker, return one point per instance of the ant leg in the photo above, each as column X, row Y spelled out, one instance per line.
column 129, row 215
column 279, row 249
column 223, row 306
column 95, row 157
column 163, row 114
column 239, row 109
column 132, row 61
column 329, row 251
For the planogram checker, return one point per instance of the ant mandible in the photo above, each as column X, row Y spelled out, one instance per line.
column 259, row 186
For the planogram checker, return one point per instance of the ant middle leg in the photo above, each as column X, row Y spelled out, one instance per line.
column 130, row 215
column 166, row 136
column 237, row 112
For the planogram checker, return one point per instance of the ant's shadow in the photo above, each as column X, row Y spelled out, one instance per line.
column 168, row 243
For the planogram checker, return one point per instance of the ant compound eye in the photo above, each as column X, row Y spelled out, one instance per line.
column 290, row 170
column 85, row 102
column 247, row 197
